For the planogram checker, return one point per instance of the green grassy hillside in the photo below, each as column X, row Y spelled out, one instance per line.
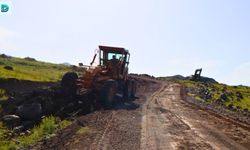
column 231, row 96
column 28, row 69
column 237, row 97
column 32, row 70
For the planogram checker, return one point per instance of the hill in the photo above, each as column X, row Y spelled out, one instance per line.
column 180, row 77
column 30, row 69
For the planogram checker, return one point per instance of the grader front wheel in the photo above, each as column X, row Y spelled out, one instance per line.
column 130, row 89
column 68, row 84
column 108, row 93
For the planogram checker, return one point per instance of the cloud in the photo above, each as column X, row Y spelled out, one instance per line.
column 240, row 75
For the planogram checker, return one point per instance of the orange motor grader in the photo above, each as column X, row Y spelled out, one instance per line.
column 108, row 80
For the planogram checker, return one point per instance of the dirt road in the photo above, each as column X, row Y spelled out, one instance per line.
column 158, row 119
column 168, row 122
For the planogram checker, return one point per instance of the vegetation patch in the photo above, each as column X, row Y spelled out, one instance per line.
column 45, row 129
column 83, row 130
column 231, row 96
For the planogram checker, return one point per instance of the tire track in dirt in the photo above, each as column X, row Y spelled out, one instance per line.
column 102, row 140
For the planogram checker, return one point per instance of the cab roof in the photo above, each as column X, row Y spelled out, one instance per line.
column 113, row 49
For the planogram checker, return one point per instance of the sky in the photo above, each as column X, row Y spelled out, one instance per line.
column 164, row 37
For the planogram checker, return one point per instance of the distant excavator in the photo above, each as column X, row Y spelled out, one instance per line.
column 108, row 81
column 197, row 75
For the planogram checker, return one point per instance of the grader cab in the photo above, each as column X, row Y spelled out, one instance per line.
column 108, row 80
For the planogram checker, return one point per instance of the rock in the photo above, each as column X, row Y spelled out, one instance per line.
column 239, row 96
column 205, row 94
column 28, row 132
column 48, row 107
column 28, row 124
column 70, row 107
column 224, row 89
column 11, row 121
column 230, row 106
column 30, row 111
column 18, row 129
column 22, row 134
column 223, row 97
column 8, row 68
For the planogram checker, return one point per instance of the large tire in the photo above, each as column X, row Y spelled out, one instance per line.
column 130, row 89
column 68, row 84
column 108, row 93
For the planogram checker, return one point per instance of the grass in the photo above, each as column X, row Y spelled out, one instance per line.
column 63, row 124
column 83, row 130
column 45, row 129
column 31, row 70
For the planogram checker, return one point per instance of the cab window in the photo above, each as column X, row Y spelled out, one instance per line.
column 117, row 56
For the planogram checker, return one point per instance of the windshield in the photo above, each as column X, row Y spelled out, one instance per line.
column 115, row 56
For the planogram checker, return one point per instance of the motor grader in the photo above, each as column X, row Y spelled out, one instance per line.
column 108, row 81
